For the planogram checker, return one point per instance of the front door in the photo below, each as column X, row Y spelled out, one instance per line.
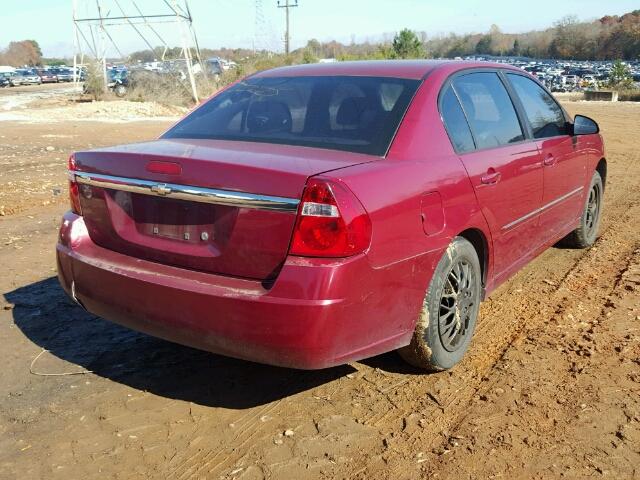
column 563, row 162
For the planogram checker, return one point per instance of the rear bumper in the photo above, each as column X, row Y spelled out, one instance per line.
column 317, row 314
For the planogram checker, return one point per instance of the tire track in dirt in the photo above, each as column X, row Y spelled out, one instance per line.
column 579, row 337
column 215, row 460
column 539, row 292
column 381, row 415
column 526, row 303
column 609, row 257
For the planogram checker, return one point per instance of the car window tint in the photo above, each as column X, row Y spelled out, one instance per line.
column 489, row 109
column 344, row 91
column 544, row 114
column 352, row 113
column 455, row 122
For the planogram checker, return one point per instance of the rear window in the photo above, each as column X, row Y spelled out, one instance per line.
column 356, row 114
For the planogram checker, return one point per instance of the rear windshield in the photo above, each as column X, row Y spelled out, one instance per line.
column 356, row 114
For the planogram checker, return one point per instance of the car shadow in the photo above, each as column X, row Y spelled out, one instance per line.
column 44, row 313
column 391, row 362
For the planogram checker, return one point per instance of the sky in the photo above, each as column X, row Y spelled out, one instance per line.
column 232, row 23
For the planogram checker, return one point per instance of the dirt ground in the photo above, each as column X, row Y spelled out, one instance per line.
column 549, row 389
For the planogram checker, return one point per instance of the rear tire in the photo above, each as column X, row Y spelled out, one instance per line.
column 587, row 232
column 449, row 310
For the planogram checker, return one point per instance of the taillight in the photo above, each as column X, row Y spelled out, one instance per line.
column 74, row 191
column 331, row 222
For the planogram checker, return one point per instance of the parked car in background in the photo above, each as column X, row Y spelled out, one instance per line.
column 571, row 80
column 48, row 76
column 25, row 77
column 314, row 215
column 118, row 82
column 214, row 66
column 63, row 74
column 588, row 81
column 80, row 72
column 4, row 81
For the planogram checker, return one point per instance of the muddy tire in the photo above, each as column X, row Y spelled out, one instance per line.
column 449, row 311
column 585, row 235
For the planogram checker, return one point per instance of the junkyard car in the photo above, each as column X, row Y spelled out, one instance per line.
column 25, row 77
column 48, row 76
column 63, row 74
column 313, row 215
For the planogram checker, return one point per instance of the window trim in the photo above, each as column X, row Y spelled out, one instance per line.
column 521, row 120
column 464, row 114
column 515, row 100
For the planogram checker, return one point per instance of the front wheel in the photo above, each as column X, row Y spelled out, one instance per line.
column 585, row 235
column 449, row 310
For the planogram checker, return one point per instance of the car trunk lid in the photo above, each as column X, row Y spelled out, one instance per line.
column 222, row 207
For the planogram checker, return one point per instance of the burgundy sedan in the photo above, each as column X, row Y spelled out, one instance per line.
column 48, row 76
column 314, row 215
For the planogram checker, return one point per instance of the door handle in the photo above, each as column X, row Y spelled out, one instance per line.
column 491, row 177
column 549, row 160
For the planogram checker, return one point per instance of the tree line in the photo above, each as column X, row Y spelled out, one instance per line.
column 610, row 37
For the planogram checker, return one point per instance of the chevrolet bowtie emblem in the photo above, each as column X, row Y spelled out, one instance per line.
column 161, row 189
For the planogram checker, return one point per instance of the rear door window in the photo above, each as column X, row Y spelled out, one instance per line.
column 542, row 111
column 488, row 109
column 455, row 122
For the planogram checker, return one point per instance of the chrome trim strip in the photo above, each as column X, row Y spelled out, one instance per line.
column 541, row 209
column 189, row 193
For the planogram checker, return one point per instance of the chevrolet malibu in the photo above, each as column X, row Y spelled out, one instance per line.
column 314, row 215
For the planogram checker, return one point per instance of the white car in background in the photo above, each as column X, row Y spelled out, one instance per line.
column 571, row 79
column 25, row 77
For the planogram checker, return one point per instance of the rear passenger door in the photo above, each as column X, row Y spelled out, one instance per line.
column 564, row 166
column 505, row 169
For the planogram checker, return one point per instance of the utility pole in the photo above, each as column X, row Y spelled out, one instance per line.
column 287, row 5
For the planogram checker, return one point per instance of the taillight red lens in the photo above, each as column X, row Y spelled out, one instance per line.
column 74, row 191
column 331, row 222
column 167, row 168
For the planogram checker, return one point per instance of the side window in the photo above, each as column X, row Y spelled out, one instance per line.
column 544, row 114
column 455, row 122
column 488, row 108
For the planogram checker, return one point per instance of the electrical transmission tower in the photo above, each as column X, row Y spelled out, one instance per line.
column 92, row 30
column 287, row 4
column 259, row 27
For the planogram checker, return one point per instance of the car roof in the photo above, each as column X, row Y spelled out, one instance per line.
column 409, row 69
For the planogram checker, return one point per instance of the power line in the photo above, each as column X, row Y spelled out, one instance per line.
column 97, row 19
column 287, row 5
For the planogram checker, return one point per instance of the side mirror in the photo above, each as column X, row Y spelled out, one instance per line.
column 584, row 126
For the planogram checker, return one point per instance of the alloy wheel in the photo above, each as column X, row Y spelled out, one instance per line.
column 458, row 303
column 593, row 210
